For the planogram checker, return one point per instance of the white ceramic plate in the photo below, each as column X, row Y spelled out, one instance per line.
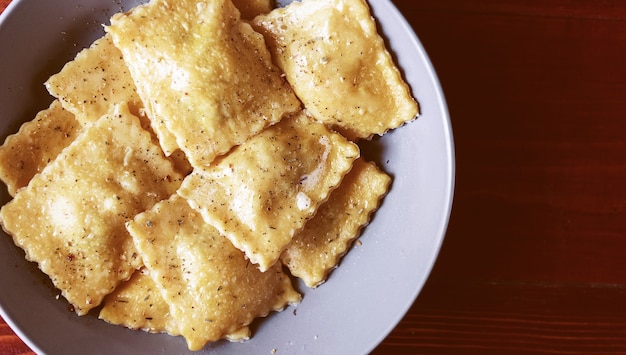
column 364, row 298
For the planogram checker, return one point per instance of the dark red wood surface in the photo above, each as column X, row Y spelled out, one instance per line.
column 534, row 260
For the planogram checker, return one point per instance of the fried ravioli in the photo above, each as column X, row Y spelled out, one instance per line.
column 317, row 249
column 212, row 290
column 79, row 204
column 264, row 191
column 338, row 65
column 202, row 71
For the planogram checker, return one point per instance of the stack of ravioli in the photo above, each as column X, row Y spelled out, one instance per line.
column 198, row 149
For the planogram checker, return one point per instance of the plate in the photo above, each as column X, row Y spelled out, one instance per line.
column 362, row 301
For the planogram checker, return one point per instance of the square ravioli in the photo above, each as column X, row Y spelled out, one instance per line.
column 79, row 204
column 95, row 79
column 338, row 65
column 208, row 283
column 263, row 191
column 202, row 71
column 317, row 249
column 37, row 143
column 137, row 304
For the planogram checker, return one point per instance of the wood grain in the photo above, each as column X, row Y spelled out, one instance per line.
column 10, row 343
column 533, row 260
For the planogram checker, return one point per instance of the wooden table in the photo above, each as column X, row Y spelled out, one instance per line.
column 535, row 255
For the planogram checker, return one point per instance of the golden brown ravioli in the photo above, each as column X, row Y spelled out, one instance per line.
column 317, row 249
column 37, row 143
column 211, row 288
column 79, row 204
column 97, row 78
column 263, row 191
column 202, row 71
column 94, row 80
column 137, row 304
column 338, row 65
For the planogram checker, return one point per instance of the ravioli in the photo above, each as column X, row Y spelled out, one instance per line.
column 97, row 78
column 79, row 204
column 202, row 71
column 38, row 142
column 338, row 65
column 137, row 304
column 263, row 192
column 94, row 80
column 317, row 249
column 208, row 283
